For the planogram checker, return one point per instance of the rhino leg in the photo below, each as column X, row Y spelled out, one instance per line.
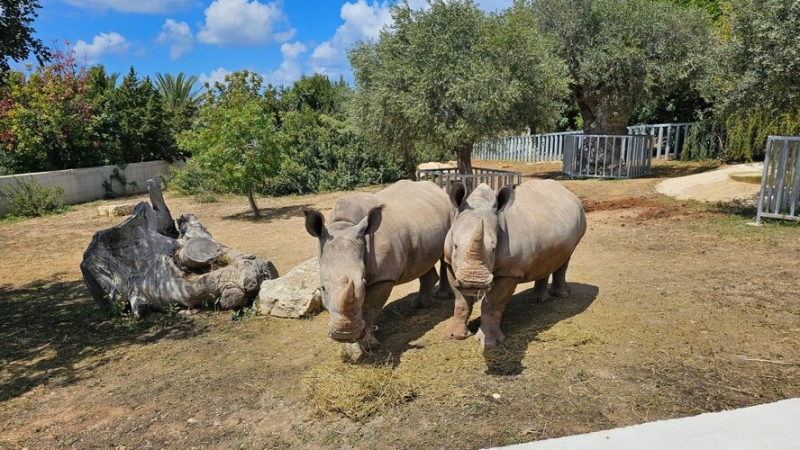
column 457, row 326
column 444, row 291
column 560, row 288
column 492, row 309
column 540, row 290
column 426, row 285
column 374, row 299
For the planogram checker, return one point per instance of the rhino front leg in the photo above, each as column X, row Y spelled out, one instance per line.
column 374, row 299
column 560, row 288
column 492, row 309
column 457, row 327
column 426, row 285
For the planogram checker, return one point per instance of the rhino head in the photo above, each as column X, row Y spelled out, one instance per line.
column 342, row 271
column 471, row 244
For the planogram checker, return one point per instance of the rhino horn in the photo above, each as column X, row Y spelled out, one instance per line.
column 476, row 242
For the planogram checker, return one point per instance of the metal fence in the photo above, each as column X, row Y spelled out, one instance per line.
column 525, row 148
column 607, row 156
column 495, row 178
column 668, row 137
column 668, row 142
column 780, row 181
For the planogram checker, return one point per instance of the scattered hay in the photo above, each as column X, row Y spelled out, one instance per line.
column 356, row 391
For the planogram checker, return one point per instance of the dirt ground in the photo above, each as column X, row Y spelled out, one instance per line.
column 677, row 308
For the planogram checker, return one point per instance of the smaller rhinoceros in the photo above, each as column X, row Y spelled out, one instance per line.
column 522, row 234
column 374, row 242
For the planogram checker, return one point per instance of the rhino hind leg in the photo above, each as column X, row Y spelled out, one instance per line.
column 540, row 290
column 444, row 291
column 426, row 284
column 490, row 335
column 560, row 288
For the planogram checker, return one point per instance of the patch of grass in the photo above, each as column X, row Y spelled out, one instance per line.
column 356, row 391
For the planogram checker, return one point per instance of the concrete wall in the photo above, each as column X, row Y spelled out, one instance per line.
column 85, row 185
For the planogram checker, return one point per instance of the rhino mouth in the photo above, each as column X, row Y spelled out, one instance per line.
column 348, row 337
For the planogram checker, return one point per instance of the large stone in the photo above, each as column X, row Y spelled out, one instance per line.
column 293, row 295
column 125, row 209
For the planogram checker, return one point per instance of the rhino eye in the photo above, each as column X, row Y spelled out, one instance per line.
column 455, row 246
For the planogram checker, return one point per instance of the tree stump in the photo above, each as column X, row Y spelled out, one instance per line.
column 152, row 264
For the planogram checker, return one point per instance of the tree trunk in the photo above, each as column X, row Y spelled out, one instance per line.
column 464, row 154
column 137, row 262
column 252, row 201
column 600, row 117
column 408, row 162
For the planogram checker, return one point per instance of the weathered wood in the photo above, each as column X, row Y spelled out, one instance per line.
column 198, row 253
column 137, row 262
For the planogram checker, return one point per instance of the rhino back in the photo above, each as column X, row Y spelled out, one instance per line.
column 410, row 239
column 539, row 230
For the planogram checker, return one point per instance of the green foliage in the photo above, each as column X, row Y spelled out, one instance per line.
column 181, row 100
column 703, row 141
column 31, row 199
column 746, row 132
column 193, row 180
column 236, row 141
column 622, row 54
column 757, row 51
column 16, row 33
column 144, row 133
column 46, row 120
column 449, row 75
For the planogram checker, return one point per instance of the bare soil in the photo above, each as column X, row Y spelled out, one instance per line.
column 677, row 308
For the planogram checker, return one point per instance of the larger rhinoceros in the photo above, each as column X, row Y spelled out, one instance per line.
column 374, row 242
column 522, row 234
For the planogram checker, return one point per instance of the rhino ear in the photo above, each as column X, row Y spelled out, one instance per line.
column 505, row 197
column 458, row 192
column 370, row 224
column 315, row 223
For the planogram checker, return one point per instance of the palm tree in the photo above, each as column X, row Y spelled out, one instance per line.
column 181, row 99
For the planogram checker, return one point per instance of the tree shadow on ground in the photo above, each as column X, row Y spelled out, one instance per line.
column 53, row 333
column 269, row 215
column 523, row 321
column 744, row 209
column 673, row 169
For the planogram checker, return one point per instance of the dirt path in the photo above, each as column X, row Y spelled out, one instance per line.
column 677, row 308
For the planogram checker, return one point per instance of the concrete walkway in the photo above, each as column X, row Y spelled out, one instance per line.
column 720, row 185
column 773, row 426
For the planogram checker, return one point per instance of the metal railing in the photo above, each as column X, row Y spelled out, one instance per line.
column 668, row 137
column 607, row 156
column 780, row 181
column 525, row 148
column 495, row 178
column 668, row 142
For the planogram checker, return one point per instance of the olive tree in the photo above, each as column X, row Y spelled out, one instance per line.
column 450, row 75
column 622, row 53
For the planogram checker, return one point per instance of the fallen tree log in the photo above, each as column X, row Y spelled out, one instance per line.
column 151, row 264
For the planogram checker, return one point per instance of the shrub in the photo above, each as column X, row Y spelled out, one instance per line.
column 31, row 199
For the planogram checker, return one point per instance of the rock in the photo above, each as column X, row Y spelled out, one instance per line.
column 435, row 165
column 125, row 209
column 294, row 295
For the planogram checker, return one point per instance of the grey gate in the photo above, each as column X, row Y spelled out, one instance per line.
column 780, row 181
column 607, row 156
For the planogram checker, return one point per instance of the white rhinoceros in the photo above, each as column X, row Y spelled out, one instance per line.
column 520, row 235
column 374, row 242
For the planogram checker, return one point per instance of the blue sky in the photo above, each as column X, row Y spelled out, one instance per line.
column 281, row 40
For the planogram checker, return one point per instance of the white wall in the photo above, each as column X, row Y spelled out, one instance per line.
column 85, row 185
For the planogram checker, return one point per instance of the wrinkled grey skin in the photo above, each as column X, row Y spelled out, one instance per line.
column 374, row 242
column 520, row 235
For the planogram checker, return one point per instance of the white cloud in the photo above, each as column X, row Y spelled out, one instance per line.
column 102, row 44
column 362, row 21
column 243, row 23
column 290, row 69
column 134, row 6
column 217, row 75
column 178, row 36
